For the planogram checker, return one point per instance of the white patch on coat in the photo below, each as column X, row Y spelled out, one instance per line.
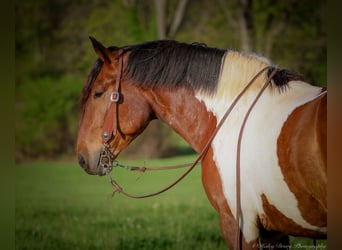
column 260, row 171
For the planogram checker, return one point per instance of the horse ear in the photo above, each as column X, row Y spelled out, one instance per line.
column 102, row 52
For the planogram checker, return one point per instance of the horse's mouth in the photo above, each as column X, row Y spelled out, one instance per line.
column 101, row 165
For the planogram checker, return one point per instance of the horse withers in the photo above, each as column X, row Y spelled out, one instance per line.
column 282, row 182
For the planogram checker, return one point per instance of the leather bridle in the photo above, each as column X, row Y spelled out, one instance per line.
column 110, row 125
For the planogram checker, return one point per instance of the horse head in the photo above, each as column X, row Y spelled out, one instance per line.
column 127, row 113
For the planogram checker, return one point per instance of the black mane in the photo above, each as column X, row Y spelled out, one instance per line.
column 171, row 64
column 282, row 78
column 167, row 63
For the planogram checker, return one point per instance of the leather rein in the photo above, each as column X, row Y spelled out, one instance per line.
column 110, row 129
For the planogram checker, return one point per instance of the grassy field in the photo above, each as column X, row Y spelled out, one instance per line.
column 58, row 206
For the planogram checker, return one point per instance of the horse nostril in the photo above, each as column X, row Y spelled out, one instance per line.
column 82, row 161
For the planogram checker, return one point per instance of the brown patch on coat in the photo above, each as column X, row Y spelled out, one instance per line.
column 302, row 154
column 274, row 220
column 213, row 187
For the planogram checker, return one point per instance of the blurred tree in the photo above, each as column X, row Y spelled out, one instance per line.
column 260, row 23
column 54, row 55
column 162, row 26
column 161, row 19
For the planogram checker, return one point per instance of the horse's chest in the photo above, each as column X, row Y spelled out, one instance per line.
column 260, row 172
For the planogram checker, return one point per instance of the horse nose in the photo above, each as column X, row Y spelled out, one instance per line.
column 82, row 161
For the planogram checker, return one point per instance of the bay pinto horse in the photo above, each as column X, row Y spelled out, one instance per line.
column 190, row 87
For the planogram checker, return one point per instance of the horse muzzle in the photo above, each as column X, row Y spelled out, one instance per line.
column 102, row 165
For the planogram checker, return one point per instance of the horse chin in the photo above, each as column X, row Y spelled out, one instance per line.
column 103, row 171
column 101, row 162
column 96, row 165
column 91, row 172
column 98, row 170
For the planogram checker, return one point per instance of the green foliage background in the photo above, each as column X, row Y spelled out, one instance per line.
column 53, row 55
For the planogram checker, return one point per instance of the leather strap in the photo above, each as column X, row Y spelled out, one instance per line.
column 238, row 161
column 110, row 125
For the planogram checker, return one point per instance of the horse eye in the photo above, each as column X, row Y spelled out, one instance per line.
column 98, row 94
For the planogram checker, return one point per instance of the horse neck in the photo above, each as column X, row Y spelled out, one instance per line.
column 190, row 113
column 185, row 114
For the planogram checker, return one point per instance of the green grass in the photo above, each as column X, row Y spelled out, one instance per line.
column 59, row 206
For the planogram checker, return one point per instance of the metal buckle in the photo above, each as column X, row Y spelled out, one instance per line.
column 114, row 96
